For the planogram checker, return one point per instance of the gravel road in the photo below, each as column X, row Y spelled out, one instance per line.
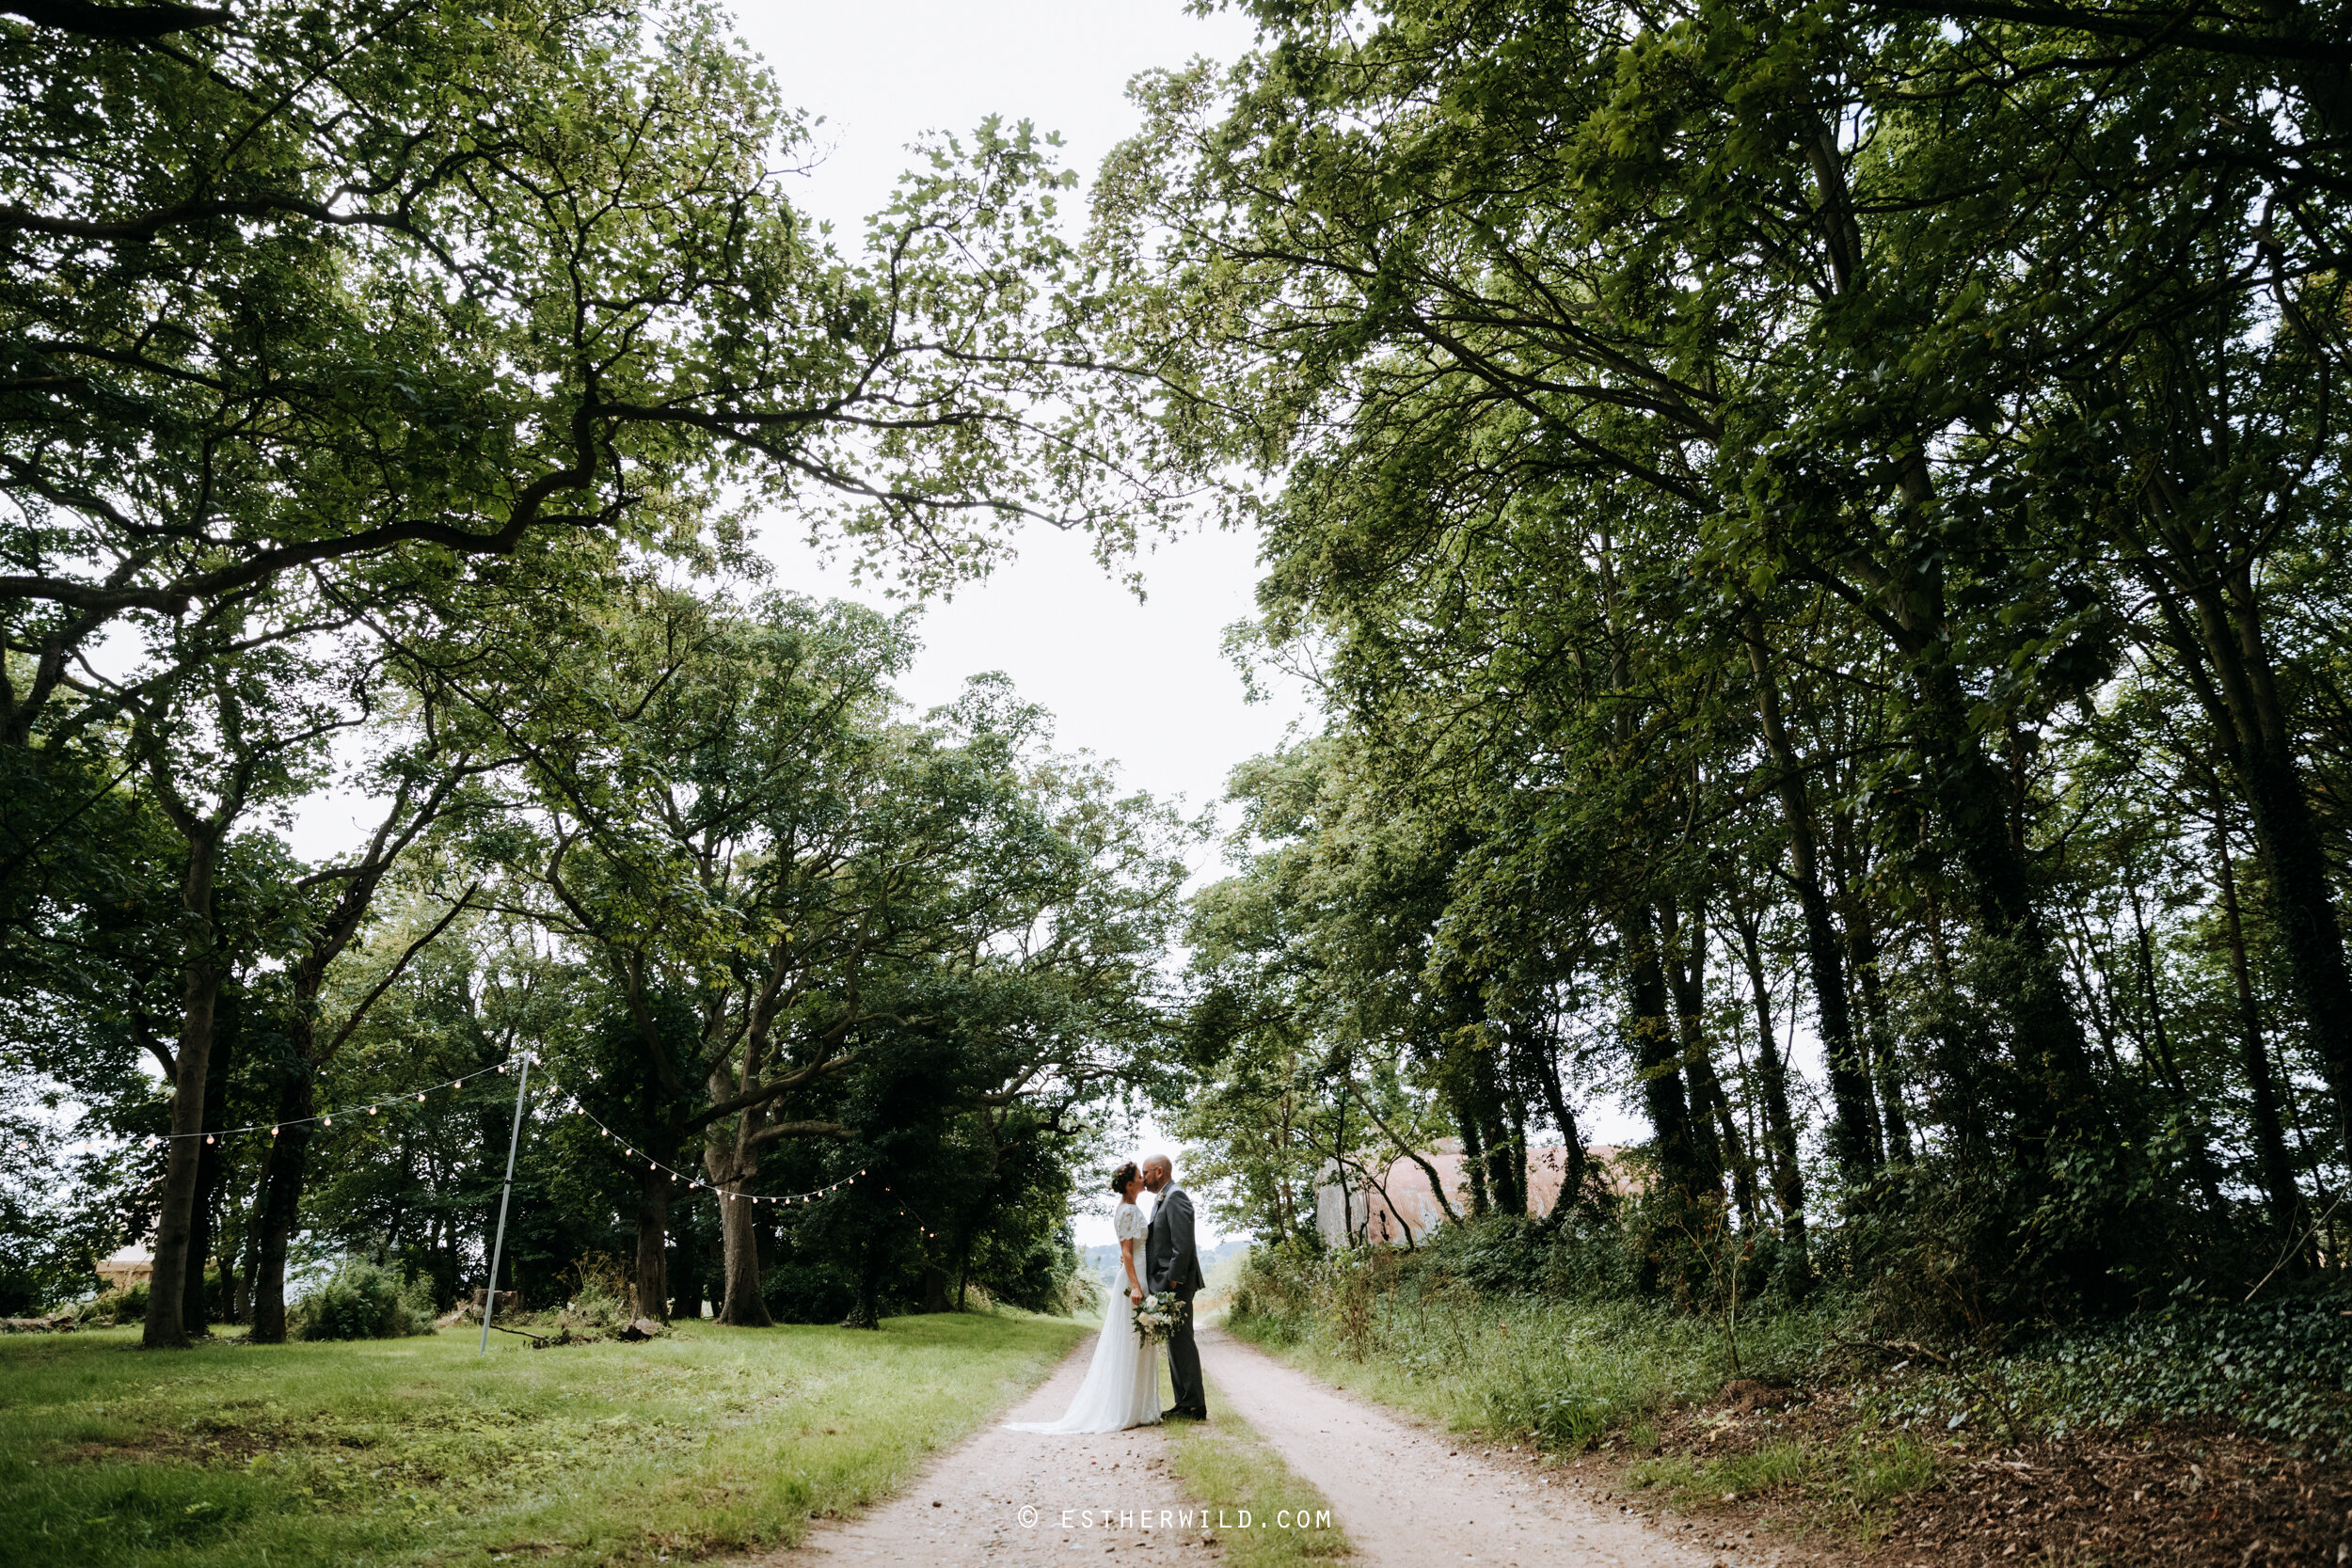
column 1411, row 1496
column 1408, row 1495
column 1000, row 1498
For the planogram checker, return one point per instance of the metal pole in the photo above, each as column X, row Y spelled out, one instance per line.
column 514, row 1140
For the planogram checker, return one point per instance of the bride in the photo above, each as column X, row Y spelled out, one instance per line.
column 1123, row 1386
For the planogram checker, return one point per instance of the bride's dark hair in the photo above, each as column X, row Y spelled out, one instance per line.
column 1122, row 1177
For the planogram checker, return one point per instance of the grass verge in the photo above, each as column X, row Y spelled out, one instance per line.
column 1288, row 1521
column 1569, row 1375
column 413, row 1450
column 1632, row 1382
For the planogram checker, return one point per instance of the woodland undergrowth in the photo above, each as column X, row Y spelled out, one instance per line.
column 1525, row 1336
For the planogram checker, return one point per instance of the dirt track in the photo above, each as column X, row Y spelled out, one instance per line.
column 1006, row 1497
column 1407, row 1496
column 1410, row 1496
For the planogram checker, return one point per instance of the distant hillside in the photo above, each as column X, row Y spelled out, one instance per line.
column 1104, row 1260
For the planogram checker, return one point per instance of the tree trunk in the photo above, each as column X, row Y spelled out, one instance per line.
column 1884, row 1071
column 1515, row 1110
column 199, row 1000
column 1547, row 1073
column 1683, row 982
column 250, row 1245
column 1654, row 1058
column 281, row 1197
column 684, row 1269
column 866, row 1311
column 288, row 1165
column 649, row 1295
column 2227, row 657
column 1772, row 1072
column 2200, row 1156
column 1957, row 1101
column 2304, row 910
column 1474, row 1160
column 1967, row 787
column 1506, row 1184
column 2270, row 1144
column 1973, row 796
column 744, row 1306
column 197, row 1306
column 1848, row 1087
column 1716, row 1130
column 1742, row 1169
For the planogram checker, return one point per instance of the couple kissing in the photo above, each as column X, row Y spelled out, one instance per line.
column 1162, row 1271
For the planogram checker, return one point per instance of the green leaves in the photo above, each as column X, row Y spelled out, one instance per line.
column 351, row 294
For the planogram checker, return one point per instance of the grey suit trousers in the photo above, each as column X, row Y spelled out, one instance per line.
column 1183, row 1363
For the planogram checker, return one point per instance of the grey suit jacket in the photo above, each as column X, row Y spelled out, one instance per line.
column 1170, row 1261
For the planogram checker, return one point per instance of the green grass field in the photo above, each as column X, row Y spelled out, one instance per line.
column 414, row 1451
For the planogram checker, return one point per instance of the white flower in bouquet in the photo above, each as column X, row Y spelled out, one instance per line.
column 1159, row 1315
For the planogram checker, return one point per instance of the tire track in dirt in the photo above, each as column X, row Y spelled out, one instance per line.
column 1411, row 1496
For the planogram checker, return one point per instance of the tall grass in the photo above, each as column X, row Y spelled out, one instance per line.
column 1562, row 1372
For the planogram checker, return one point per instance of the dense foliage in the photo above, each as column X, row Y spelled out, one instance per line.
column 1821, row 532
column 1809, row 521
column 385, row 395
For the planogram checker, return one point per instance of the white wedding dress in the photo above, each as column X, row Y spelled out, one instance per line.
column 1122, row 1385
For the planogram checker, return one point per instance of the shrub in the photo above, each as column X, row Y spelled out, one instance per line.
column 364, row 1301
column 1989, row 1252
column 116, row 1306
column 602, row 1291
column 801, row 1292
column 1082, row 1294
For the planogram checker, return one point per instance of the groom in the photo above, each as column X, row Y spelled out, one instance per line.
column 1169, row 1263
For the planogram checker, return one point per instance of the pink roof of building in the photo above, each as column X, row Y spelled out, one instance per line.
column 1401, row 1200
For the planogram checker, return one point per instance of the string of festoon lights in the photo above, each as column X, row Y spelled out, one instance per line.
column 928, row 1234
column 571, row 1107
column 349, row 1113
column 696, row 1183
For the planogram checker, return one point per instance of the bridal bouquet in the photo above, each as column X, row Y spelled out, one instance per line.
column 1158, row 1316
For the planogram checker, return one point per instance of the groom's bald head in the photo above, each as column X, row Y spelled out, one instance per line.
column 1157, row 1171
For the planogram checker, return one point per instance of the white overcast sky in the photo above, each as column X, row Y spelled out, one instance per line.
column 1143, row 683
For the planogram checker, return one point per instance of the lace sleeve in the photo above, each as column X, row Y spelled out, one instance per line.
column 1130, row 1225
